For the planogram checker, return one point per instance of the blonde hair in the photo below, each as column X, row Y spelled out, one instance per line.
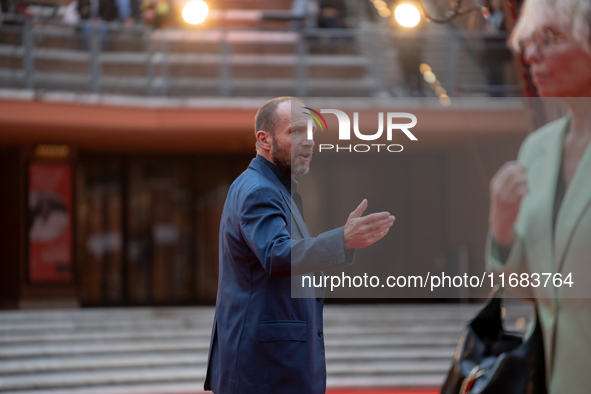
column 575, row 14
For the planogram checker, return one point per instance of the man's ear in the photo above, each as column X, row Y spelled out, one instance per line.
column 264, row 139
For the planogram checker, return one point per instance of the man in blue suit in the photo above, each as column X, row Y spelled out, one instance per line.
column 263, row 340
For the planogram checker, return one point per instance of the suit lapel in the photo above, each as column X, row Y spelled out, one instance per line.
column 296, row 215
column 262, row 169
column 543, row 180
column 299, row 220
column 576, row 200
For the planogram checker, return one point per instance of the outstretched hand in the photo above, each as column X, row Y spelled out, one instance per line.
column 362, row 231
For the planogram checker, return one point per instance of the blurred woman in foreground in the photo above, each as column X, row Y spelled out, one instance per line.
column 540, row 205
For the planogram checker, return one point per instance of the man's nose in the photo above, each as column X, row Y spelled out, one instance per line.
column 308, row 143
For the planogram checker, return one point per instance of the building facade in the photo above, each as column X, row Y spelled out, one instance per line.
column 115, row 205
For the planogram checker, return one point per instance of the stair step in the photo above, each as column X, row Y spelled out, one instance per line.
column 368, row 382
column 164, row 350
column 387, row 367
column 187, row 387
column 106, row 376
column 113, row 348
column 73, row 363
column 6, row 339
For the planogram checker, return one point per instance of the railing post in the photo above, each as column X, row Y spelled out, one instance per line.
column 452, row 63
column 150, row 61
column 95, row 65
column 377, row 69
column 302, row 66
column 28, row 60
column 164, row 71
column 226, row 66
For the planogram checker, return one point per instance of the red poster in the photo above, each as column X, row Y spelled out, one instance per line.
column 50, row 222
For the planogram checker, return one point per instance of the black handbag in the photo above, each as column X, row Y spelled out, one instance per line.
column 490, row 360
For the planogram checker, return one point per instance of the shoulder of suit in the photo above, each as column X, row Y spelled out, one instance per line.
column 536, row 140
column 549, row 130
column 251, row 181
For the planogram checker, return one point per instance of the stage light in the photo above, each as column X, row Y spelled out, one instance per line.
column 407, row 15
column 195, row 12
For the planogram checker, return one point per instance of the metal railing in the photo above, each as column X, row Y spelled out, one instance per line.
column 110, row 58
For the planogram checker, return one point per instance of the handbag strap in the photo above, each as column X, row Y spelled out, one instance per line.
column 469, row 380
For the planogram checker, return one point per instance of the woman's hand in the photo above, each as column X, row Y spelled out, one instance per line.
column 507, row 189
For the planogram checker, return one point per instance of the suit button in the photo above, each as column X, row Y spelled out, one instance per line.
column 319, row 299
column 320, row 333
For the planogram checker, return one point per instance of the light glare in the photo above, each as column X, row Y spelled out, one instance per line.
column 407, row 15
column 195, row 12
column 429, row 77
column 384, row 12
column 423, row 68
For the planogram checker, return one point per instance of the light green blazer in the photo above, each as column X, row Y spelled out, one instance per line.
column 564, row 315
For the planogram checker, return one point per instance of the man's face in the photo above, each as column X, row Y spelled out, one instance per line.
column 292, row 150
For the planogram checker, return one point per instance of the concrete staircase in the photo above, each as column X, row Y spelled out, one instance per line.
column 164, row 350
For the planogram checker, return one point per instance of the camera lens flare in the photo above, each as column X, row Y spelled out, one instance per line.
column 407, row 15
column 195, row 12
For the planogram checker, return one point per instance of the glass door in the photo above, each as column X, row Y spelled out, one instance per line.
column 99, row 232
column 147, row 229
column 159, row 231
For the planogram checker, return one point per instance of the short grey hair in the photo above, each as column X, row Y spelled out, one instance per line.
column 574, row 13
column 266, row 118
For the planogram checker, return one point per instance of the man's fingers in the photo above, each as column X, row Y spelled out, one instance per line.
column 377, row 237
column 377, row 230
column 380, row 223
column 361, row 232
column 359, row 210
column 374, row 217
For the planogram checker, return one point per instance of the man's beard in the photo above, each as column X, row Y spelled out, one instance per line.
column 288, row 164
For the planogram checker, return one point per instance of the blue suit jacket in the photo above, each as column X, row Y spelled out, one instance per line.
column 263, row 340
